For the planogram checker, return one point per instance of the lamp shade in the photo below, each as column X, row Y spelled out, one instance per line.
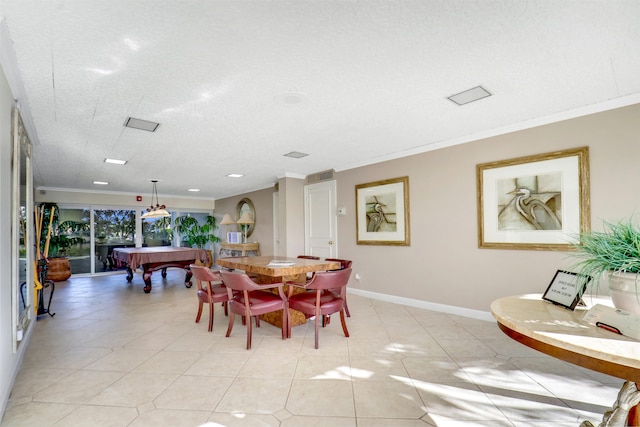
column 226, row 220
column 246, row 219
column 157, row 213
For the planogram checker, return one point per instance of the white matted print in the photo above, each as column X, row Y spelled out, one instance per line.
column 382, row 212
column 534, row 202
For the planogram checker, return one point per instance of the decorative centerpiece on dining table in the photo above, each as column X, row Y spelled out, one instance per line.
column 613, row 255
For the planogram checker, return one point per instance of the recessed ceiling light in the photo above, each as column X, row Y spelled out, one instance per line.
column 195, row 190
column 116, row 161
column 141, row 124
column 235, row 175
column 470, row 95
column 296, row 154
column 100, row 182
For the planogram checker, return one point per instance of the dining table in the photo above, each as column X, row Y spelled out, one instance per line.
column 566, row 335
column 278, row 269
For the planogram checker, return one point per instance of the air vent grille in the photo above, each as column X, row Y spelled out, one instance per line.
column 320, row 176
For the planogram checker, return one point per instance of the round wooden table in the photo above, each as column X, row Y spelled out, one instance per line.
column 563, row 334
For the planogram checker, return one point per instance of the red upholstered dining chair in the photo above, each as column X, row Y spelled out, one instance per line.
column 344, row 263
column 249, row 299
column 318, row 302
column 210, row 290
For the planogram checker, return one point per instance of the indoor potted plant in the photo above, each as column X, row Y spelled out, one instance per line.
column 196, row 234
column 613, row 255
column 55, row 240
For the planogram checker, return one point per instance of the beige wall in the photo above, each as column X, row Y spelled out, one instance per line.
column 263, row 229
column 443, row 264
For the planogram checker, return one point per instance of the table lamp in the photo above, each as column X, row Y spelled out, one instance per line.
column 244, row 221
column 227, row 221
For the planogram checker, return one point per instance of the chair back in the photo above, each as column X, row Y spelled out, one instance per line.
column 308, row 257
column 333, row 279
column 204, row 274
column 238, row 281
column 344, row 263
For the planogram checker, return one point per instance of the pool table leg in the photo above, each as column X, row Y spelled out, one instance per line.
column 146, row 276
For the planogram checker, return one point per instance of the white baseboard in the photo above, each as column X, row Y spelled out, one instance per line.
column 450, row 309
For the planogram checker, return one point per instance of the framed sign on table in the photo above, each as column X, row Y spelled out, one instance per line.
column 538, row 202
column 566, row 289
column 382, row 212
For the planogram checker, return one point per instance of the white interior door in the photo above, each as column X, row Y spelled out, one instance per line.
column 321, row 231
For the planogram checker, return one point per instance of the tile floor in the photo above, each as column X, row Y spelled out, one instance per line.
column 115, row 356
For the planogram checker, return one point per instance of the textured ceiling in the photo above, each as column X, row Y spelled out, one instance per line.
column 237, row 84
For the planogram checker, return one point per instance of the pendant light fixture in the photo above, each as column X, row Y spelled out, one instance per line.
column 157, row 211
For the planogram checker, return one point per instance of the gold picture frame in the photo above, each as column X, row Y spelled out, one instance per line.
column 538, row 202
column 382, row 212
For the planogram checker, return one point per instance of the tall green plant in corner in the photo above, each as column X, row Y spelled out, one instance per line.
column 194, row 233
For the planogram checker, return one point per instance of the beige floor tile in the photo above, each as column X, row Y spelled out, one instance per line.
column 138, row 360
column 376, row 369
column 312, row 367
column 261, row 365
column 241, row 419
column 31, row 381
column 435, row 369
column 310, row 421
column 255, row 395
column 36, row 414
column 78, row 387
column 122, row 360
column 170, row 418
column 387, row 399
column 457, row 401
column 217, row 364
column 197, row 393
column 98, row 416
column 321, row 398
column 169, row 362
column 134, row 389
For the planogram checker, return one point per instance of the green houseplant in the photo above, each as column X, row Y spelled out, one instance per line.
column 56, row 239
column 613, row 255
column 196, row 234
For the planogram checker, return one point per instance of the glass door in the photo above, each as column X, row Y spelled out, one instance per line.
column 113, row 228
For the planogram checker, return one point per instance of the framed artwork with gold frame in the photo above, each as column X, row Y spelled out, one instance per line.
column 538, row 202
column 382, row 212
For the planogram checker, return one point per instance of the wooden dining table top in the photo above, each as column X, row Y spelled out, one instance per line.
column 274, row 265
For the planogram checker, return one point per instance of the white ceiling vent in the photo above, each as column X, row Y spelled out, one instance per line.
column 295, row 154
column 141, row 124
column 320, row 176
column 469, row 95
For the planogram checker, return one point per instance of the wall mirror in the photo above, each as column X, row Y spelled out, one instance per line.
column 246, row 205
column 22, row 300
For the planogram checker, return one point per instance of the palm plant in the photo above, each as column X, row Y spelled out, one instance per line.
column 616, row 249
column 194, row 233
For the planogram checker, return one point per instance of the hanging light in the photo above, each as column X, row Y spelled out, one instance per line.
column 157, row 211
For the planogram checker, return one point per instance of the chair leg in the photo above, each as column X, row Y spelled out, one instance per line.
column 210, row 317
column 346, row 307
column 230, row 327
column 199, row 311
column 226, row 308
column 249, row 334
column 318, row 316
column 344, row 324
